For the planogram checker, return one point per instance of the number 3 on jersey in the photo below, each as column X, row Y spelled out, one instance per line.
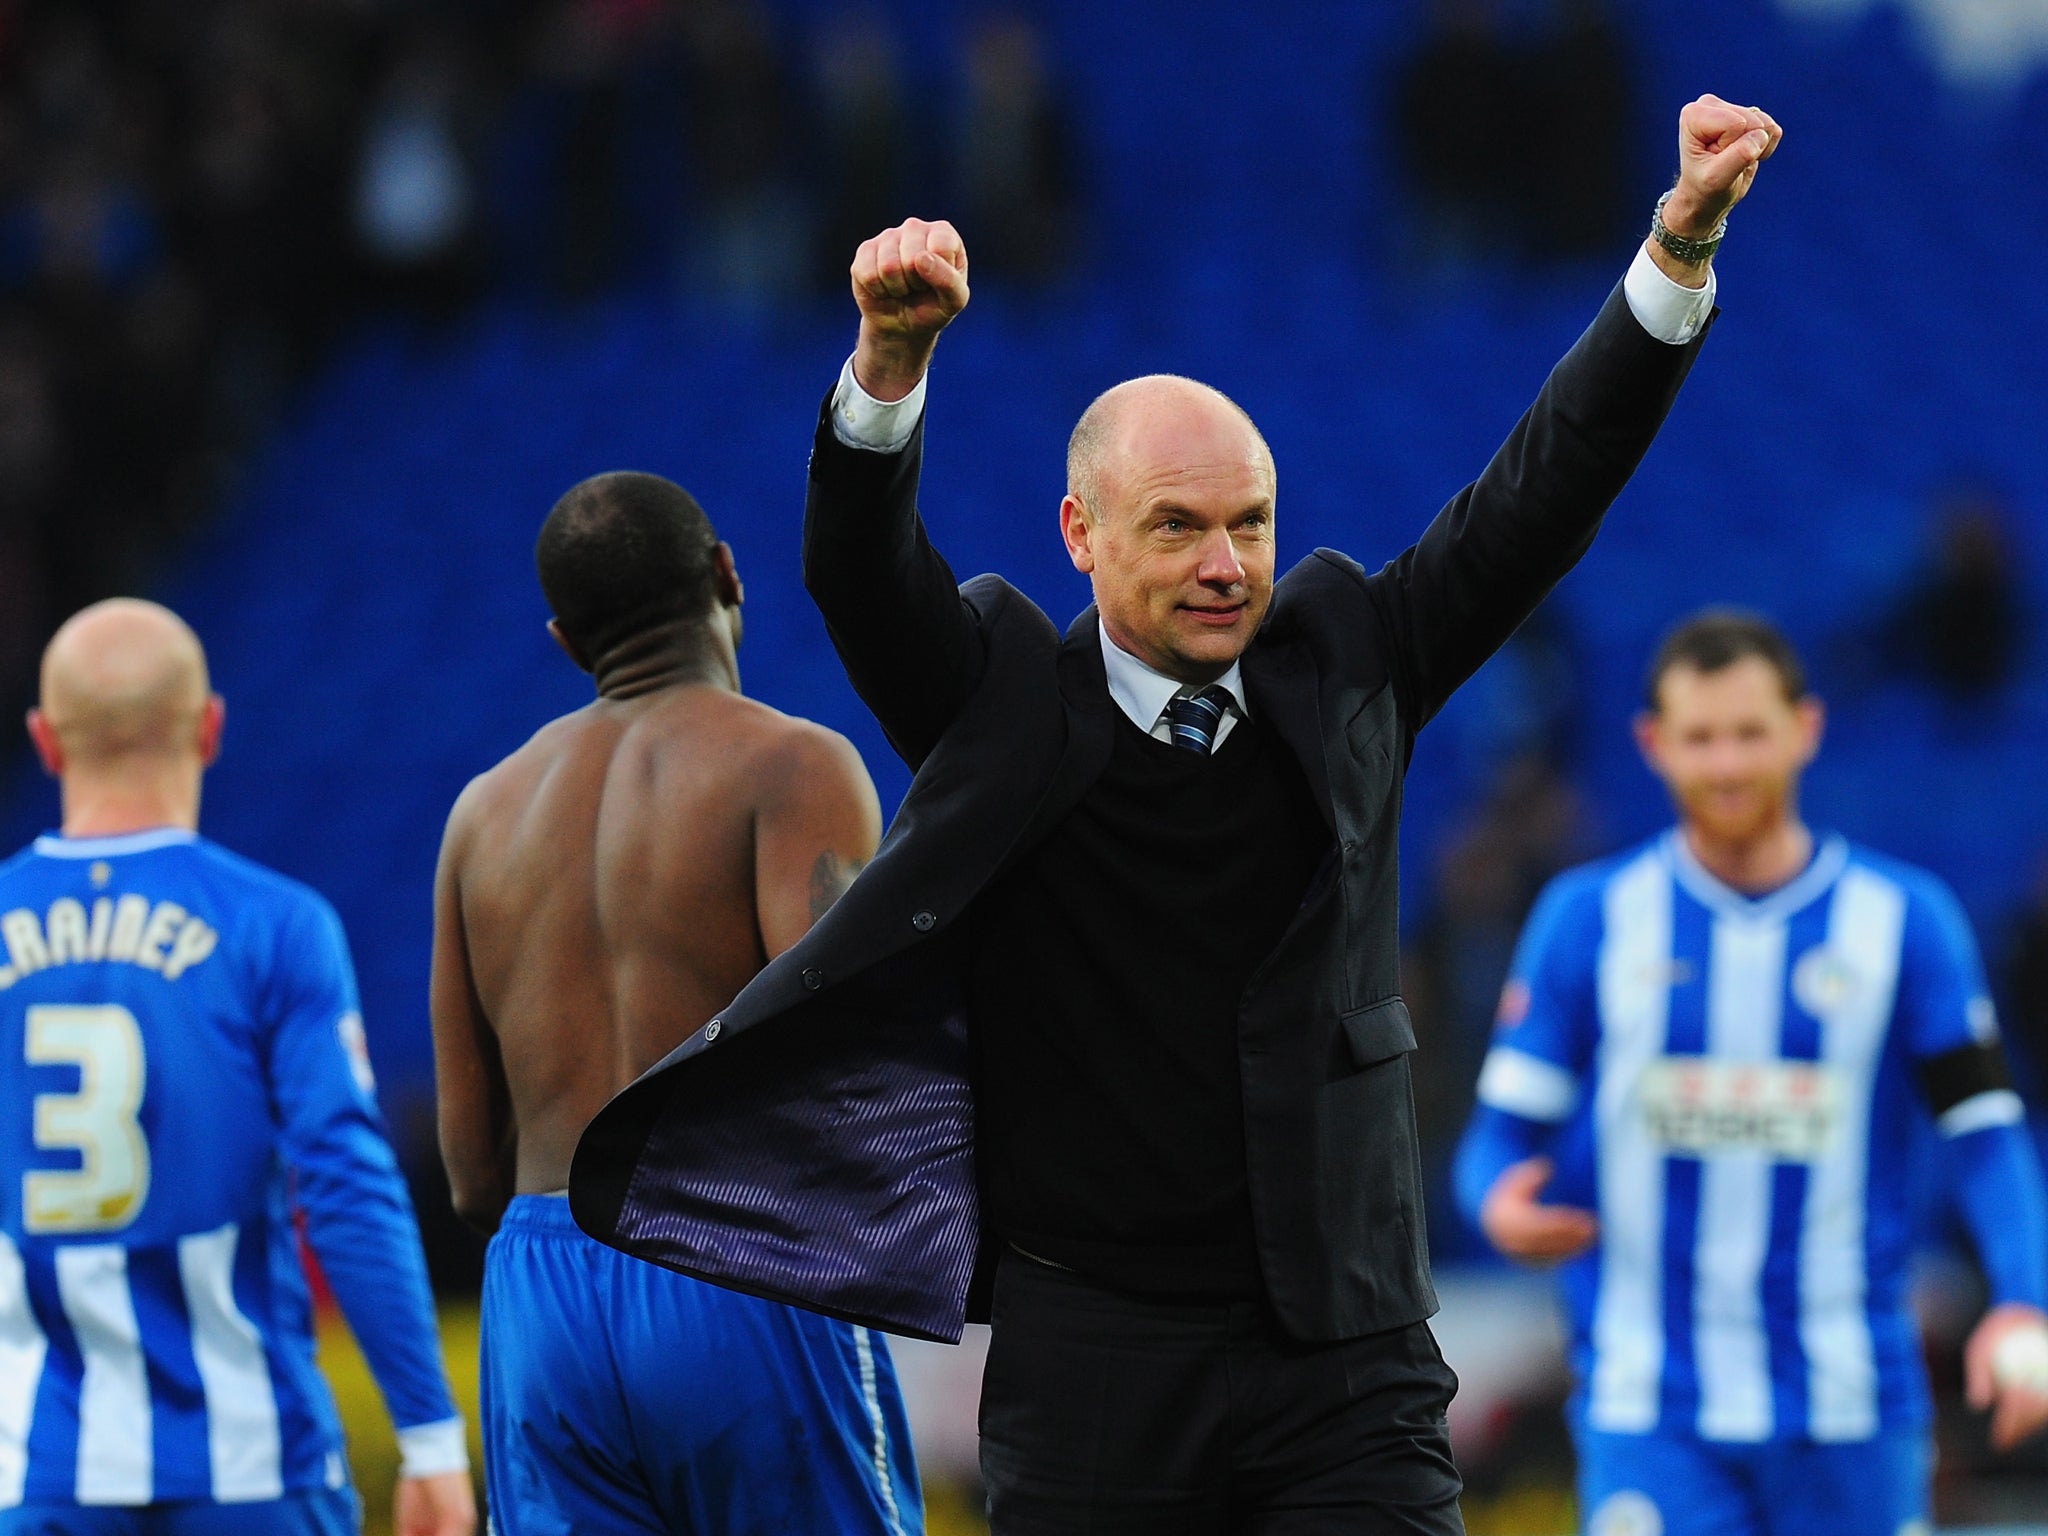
column 98, row 1122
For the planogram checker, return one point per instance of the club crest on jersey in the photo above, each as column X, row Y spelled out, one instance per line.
column 1822, row 982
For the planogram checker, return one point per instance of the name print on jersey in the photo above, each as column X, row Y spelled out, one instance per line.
column 129, row 930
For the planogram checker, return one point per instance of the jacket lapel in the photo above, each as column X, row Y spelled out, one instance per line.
column 1282, row 684
column 1091, row 724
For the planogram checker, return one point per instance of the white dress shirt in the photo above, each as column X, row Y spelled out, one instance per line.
column 1143, row 694
column 1668, row 310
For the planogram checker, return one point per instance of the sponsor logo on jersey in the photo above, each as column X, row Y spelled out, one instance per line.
column 1786, row 1109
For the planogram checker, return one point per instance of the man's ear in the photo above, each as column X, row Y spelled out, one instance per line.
column 1813, row 723
column 49, row 750
column 725, row 577
column 1077, row 527
column 569, row 647
column 1645, row 728
column 213, row 721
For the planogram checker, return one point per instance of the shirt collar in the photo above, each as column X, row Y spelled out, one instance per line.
column 1143, row 693
column 1829, row 858
column 56, row 845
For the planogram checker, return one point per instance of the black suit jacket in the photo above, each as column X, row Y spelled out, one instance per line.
column 814, row 1143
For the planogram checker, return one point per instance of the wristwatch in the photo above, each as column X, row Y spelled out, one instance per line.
column 1696, row 252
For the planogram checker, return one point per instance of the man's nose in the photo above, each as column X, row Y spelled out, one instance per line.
column 1219, row 563
column 1728, row 762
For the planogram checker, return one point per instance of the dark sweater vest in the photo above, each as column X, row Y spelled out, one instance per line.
column 1108, row 969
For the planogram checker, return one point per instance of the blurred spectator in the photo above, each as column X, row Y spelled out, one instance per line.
column 2025, row 991
column 31, row 472
column 1960, row 623
column 260, row 189
column 1578, row 82
column 1531, row 826
column 582, row 51
column 862, row 160
column 751, row 240
column 83, row 232
column 1454, row 111
column 195, row 197
column 31, row 442
column 1016, row 170
column 417, row 213
column 1468, row 95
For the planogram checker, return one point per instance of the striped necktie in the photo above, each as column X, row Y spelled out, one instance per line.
column 1192, row 719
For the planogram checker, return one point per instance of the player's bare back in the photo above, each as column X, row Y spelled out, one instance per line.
column 614, row 884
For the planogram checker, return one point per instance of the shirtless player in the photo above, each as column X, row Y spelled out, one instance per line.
column 601, row 893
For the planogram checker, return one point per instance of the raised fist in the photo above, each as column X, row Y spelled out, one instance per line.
column 909, row 282
column 1720, row 145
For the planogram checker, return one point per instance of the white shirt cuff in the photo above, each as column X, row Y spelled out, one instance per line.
column 859, row 420
column 1668, row 311
column 428, row 1450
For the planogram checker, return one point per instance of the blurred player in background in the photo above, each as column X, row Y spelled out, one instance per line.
column 1711, row 1050
column 188, row 1073
column 602, row 892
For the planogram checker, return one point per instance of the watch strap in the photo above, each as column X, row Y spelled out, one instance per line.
column 1694, row 252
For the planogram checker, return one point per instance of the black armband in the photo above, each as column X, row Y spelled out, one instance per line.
column 1963, row 1073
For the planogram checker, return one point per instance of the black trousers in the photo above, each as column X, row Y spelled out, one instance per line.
column 1104, row 1414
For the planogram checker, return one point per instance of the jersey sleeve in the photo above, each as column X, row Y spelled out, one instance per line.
column 1946, row 1015
column 359, row 1215
column 1544, row 1030
column 1533, row 1077
column 1951, row 1033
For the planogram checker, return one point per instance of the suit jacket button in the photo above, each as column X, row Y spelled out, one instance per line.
column 814, row 978
column 711, row 1030
column 924, row 922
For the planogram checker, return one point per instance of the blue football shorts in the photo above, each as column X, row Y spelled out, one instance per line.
column 1680, row 1485
column 309, row 1512
column 620, row 1397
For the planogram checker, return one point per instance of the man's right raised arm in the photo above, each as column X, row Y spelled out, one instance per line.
column 892, row 606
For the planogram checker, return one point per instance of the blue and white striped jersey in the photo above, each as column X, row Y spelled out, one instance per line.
column 1732, row 1084
column 181, row 1068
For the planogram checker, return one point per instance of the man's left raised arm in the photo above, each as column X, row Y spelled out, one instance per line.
column 1503, row 542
